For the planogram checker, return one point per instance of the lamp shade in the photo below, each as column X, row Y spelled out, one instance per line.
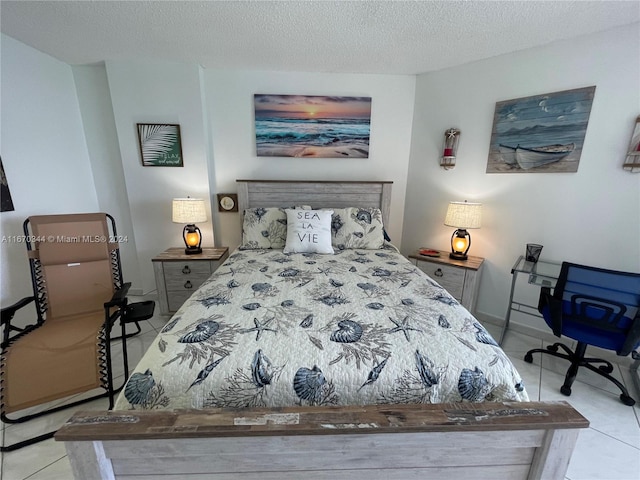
column 188, row 210
column 464, row 215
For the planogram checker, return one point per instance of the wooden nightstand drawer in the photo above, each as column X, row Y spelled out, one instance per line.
column 186, row 282
column 179, row 275
column 451, row 278
column 186, row 276
column 461, row 278
column 184, row 269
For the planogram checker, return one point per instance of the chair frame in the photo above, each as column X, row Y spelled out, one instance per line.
column 577, row 357
column 116, row 308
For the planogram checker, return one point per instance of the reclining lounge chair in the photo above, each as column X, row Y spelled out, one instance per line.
column 79, row 296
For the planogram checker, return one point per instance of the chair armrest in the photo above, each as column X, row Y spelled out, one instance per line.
column 543, row 301
column 7, row 313
column 551, row 309
column 119, row 296
column 632, row 339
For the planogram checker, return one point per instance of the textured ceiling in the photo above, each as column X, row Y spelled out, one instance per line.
column 389, row 37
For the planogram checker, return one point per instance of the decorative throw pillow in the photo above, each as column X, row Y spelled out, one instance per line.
column 308, row 231
column 264, row 228
column 356, row 227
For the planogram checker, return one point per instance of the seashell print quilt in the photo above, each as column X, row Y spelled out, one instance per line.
column 359, row 327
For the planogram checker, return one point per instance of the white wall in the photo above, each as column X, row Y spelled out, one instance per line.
column 592, row 216
column 43, row 151
column 231, row 112
column 159, row 92
column 215, row 113
column 104, row 153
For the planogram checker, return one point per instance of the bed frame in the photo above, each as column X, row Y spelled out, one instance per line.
column 321, row 194
column 532, row 440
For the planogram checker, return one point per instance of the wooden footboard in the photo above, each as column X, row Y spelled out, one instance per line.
column 490, row 440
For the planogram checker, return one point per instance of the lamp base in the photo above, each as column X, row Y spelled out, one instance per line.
column 192, row 239
column 458, row 256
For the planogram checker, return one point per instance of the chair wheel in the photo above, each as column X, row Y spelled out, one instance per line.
column 606, row 368
column 566, row 390
column 528, row 358
column 552, row 348
column 627, row 400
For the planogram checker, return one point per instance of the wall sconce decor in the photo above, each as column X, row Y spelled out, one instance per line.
column 189, row 211
column 450, row 149
column 462, row 215
column 632, row 163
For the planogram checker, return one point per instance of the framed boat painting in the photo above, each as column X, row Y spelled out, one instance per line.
column 542, row 133
column 312, row 126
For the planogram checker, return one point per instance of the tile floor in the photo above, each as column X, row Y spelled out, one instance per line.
column 608, row 450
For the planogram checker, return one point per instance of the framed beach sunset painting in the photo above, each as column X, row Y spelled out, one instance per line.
column 312, row 126
column 542, row 133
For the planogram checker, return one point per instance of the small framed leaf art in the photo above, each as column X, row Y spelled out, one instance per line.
column 160, row 144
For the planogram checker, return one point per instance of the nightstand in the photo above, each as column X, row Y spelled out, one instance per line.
column 461, row 278
column 178, row 275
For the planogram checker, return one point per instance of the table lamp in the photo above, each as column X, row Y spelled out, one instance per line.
column 462, row 215
column 189, row 211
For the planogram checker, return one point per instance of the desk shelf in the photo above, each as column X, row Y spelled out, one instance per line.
column 541, row 274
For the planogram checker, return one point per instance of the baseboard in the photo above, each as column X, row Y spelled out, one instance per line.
column 547, row 336
column 137, row 292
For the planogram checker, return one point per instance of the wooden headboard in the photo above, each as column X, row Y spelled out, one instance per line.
column 317, row 194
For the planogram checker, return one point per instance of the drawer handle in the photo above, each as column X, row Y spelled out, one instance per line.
column 186, row 270
column 187, row 284
column 438, row 273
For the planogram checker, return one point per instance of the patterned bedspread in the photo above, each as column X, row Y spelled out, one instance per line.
column 357, row 327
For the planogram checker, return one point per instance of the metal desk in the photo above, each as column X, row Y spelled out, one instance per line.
column 543, row 274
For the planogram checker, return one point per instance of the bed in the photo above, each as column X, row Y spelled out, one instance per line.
column 318, row 348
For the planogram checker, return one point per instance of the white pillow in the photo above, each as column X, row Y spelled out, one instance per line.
column 308, row 231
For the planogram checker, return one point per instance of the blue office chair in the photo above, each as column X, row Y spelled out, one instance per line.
column 595, row 307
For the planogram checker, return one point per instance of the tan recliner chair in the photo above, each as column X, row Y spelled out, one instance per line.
column 79, row 296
